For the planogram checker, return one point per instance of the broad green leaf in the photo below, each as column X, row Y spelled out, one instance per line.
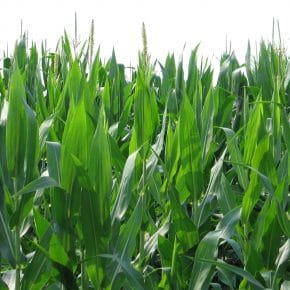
column 37, row 273
column 125, row 190
column 3, row 285
column 156, row 149
column 7, row 243
column 16, row 130
column 124, row 248
column 165, row 248
column 76, row 137
column 125, row 114
column 252, row 130
column 107, row 99
column 226, row 197
column 57, row 252
column 283, row 219
column 126, row 241
column 145, row 115
column 152, row 243
column 282, row 260
column 191, row 171
column 172, row 151
column 193, row 74
column 20, row 53
column 207, row 249
column 94, row 72
column 117, row 158
column 185, row 229
column 44, row 130
column 246, row 275
column 30, row 164
column 41, row 224
column 126, row 276
column 236, row 157
column 53, row 160
column 179, row 83
column 40, row 183
column 203, row 211
column 201, row 272
column 32, row 144
column 99, row 169
column 252, row 194
column 95, row 205
column 207, row 124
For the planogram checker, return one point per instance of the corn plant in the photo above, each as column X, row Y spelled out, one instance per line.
column 143, row 181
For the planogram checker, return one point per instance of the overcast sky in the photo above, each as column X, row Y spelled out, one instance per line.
column 169, row 23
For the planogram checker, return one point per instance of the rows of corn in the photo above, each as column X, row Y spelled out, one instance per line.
column 120, row 178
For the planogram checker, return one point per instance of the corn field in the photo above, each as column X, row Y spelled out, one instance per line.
column 120, row 178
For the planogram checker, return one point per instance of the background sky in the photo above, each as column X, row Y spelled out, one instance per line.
column 170, row 24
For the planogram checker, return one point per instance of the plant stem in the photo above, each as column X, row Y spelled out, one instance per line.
column 83, row 270
column 17, row 241
column 17, row 256
column 141, row 248
column 142, row 232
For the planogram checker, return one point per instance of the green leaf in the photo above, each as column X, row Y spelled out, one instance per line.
column 276, row 123
column 57, row 252
column 204, row 211
column 117, row 158
column 41, row 224
column 74, row 82
column 16, row 129
column 252, row 130
column 252, row 194
column 207, row 124
column 77, row 136
column 124, row 248
column 20, row 53
column 145, row 115
column 7, row 243
column 126, row 276
column 94, row 73
column 44, row 130
column 282, row 261
column 226, row 197
column 32, row 144
column 3, row 285
column 53, row 160
column 201, row 272
column 244, row 274
column 236, row 157
column 185, row 229
column 152, row 243
column 107, row 99
column 286, row 136
column 39, row 183
column 191, row 172
column 207, row 249
column 283, row 219
column 38, row 271
column 126, row 241
column 172, row 151
column 95, row 208
column 125, row 190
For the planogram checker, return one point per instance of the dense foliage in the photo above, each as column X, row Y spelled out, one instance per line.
column 121, row 178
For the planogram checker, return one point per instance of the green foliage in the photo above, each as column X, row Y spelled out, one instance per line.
column 147, row 181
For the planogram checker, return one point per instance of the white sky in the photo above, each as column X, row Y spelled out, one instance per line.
column 169, row 24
